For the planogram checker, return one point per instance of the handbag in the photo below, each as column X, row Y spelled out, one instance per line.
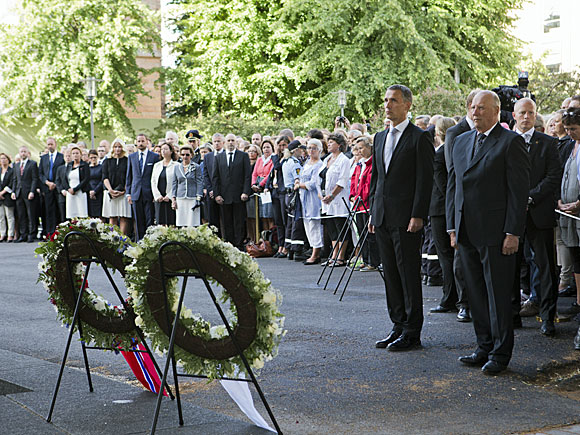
column 261, row 249
column 293, row 199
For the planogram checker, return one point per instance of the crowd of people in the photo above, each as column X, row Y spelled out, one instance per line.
column 487, row 189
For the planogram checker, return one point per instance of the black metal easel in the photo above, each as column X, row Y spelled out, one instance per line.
column 96, row 258
column 361, row 241
column 341, row 240
column 200, row 274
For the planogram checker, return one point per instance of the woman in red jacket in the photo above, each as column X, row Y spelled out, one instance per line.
column 360, row 184
column 262, row 169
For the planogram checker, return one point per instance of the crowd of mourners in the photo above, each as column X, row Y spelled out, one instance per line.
column 308, row 196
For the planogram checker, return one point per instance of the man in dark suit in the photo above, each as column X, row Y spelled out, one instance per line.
column 231, row 182
column 401, row 184
column 23, row 192
column 466, row 124
column 47, row 169
column 209, row 161
column 487, row 193
column 545, row 180
column 139, row 193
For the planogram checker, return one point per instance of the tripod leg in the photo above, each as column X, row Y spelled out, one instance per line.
column 352, row 270
column 359, row 247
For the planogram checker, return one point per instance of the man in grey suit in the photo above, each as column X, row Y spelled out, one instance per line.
column 487, row 194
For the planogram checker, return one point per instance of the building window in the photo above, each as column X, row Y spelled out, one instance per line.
column 552, row 22
column 554, row 68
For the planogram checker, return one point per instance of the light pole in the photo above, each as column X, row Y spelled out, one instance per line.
column 91, row 94
column 342, row 103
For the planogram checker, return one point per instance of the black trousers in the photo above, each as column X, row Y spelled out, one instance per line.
column 234, row 219
column 143, row 215
column 489, row 291
column 295, row 233
column 446, row 254
column 369, row 251
column 429, row 267
column 214, row 214
column 280, row 217
column 52, row 215
column 541, row 242
column 401, row 257
column 27, row 216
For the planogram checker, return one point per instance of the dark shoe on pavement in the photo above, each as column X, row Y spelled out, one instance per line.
column 573, row 309
column 567, row 292
column 20, row 240
column 308, row 263
column 382, row 344
column 290, row 255
column 529, row 309
column 463, row 315
column 548, row 328
column 493, row 368
column 301, row 257
column 404, row 342
column 31, row 239
column 442, row 309
column 473, row 360
column 434, row 281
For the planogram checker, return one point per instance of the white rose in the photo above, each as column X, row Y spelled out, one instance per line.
column 258, row 363
column 99, row 304
column 269, row 298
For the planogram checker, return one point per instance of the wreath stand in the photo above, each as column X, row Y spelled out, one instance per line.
column 95, row 258
column 361, row 241
column 199, row 273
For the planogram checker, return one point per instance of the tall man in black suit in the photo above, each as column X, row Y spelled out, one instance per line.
column 545, row 180
column 208, row 164
column 47, row 169
column 487, row 194
column 400, row 191
column 466, row 124
column 231, row 181
column 23, row 192
column 138, row 185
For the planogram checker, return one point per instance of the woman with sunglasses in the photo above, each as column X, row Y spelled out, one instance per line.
column 187, row 190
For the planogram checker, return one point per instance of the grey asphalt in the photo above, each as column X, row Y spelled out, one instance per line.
column 327, row 379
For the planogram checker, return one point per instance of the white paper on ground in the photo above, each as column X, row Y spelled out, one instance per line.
column 266, row 197
column 240, row 392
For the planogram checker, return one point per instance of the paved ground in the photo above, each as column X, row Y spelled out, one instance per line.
column 327, row 379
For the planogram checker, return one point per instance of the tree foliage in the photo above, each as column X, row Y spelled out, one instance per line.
column 288, row 58
column 550, row 89
column 56, row 44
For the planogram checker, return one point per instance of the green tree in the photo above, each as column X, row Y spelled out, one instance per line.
column 56, row 44
column 288, row 58
column 550, row 89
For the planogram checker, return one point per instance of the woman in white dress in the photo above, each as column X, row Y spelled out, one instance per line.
column 115, row 204
column 76, row 186
column 187, row 190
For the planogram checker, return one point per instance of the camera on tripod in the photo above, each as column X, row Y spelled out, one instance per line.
column 509, row 95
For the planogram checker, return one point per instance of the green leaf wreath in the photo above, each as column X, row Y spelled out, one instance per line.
column 102, row 316
column 263, row 301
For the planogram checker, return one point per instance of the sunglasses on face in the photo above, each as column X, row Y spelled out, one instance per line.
column 185, row 154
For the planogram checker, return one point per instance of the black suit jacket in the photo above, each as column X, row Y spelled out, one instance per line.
column 437, row 207
column 405, row 190
column 28, row 182
column 450, row 135
column 83, row 175
column 230, row 182
column 7, row 182
column 208, row 166
column 60, row 181
column 545, row 179
column 44, row 169
column 489, row 193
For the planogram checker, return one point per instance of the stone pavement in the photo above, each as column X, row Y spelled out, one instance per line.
column 327, row 379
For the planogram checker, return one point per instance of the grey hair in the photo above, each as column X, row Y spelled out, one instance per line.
column 172, row 134
column 216, row 135
column 407, row 94
column 316, row 142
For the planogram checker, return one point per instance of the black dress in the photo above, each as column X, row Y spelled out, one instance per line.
column 164, row 214
column 96, row 184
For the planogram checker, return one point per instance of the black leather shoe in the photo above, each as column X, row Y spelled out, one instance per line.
column 291, row 255
column 31, row 239
column 308, row 263
column 442, row 309
column 517, row 321
column 473, row 360
column 493, row 368
column 404, row 343
column 382, row 344
column 463, row 315
column 434, row 281
column 20, row 240
column 548, row 328
column 282, row 255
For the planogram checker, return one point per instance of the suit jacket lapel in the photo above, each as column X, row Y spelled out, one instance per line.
column 380, row 152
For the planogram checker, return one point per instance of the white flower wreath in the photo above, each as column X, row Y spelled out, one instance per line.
column 97, row 313
column 142, row 275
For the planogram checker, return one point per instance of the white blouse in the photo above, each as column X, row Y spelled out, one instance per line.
column 338, row 174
